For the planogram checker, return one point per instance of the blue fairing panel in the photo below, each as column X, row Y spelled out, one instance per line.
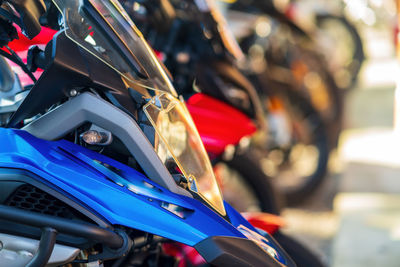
column 114, row 191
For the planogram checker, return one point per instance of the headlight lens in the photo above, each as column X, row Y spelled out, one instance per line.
column 177, row 140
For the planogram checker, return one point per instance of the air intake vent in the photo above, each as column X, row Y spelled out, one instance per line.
column 28, row 197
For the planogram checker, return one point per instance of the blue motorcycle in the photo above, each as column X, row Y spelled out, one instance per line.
column 101, row 163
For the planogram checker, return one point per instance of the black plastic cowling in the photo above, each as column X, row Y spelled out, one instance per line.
column 234, row 251
column 29, row 13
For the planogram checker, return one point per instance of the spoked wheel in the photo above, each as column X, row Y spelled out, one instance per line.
column 342, row 47
column 316, row 83
column 297, row 153
column 245, row 186
column 314, row 79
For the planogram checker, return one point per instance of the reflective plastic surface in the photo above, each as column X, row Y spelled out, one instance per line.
column 105, row 30
column 179, row 141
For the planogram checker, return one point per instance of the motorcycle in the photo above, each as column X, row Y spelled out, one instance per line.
column 298, row 92
column 89, row 164
column 325, row 22
column 216, row 141
column 294, row 126
column 291, row 55
column 335, row 34
column 218, row 131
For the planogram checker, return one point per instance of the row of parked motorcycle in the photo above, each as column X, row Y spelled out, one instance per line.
column 165, row 132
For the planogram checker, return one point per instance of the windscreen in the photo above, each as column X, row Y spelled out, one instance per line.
column 177, row 140
column 104, row 29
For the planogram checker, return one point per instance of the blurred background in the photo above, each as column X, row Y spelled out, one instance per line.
column 333, row 61
column 354, row 217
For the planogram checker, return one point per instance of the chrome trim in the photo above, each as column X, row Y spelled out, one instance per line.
column 18, row 251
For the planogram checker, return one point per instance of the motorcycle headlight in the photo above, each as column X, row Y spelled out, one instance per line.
column 177, row 140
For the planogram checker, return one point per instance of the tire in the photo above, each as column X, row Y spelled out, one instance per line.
column 254, row 181
column 303, row 113
column 357, row 56
column 322, row 144
column 302, row 68
column 301, row 255
column 333, row 115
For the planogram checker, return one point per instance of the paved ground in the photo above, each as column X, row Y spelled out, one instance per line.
column 354, row 219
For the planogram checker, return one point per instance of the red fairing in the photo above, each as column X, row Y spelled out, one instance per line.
column 21, row 46
column 290, row 11
column 267, row 222
column 218, row 123
column 185, row 255
column 23, row 43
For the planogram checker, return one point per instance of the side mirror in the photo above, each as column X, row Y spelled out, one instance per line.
column 30, row 11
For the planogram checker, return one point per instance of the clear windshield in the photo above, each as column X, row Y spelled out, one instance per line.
column 104, row 29
column 113, row 38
